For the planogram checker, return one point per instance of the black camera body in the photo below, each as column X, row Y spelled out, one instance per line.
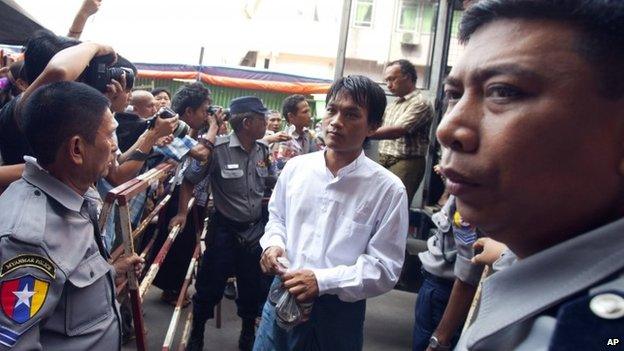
column 181, row 130
column 98, row 74
column 213, row 109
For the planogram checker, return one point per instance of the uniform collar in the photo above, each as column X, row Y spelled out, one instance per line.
column 40, row 178
column 234, row 140
column 545, row 279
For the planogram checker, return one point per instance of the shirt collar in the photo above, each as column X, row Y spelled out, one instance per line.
column 410, row 95
column 39, row 177
column 296, row 135
column 545, row 279
column 234, row 141
column 346, row 169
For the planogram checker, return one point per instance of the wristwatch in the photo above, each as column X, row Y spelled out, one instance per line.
column 435, row 344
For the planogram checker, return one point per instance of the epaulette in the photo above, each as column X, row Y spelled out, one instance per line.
column 18, row 220
column 222, row 139
column 443, row 219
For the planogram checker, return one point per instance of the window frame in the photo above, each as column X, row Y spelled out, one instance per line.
column 362, row 24
column 420, row 6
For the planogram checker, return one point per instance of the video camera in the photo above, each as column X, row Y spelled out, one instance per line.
column 181, row 130
column 99, row 73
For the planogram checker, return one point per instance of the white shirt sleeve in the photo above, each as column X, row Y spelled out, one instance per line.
column 377, row 270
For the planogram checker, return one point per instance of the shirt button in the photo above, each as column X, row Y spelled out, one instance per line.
column 91, row 274
column 607, row 306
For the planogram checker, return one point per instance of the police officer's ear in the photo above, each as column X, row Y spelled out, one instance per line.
column 247, row 122
column 75, row 149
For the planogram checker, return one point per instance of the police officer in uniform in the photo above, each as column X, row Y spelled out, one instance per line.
column 238, row 170
column 57, row 288
column 534, row 131
column 447, row 271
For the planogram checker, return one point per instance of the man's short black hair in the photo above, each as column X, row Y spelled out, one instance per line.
column 407, row 69
column 600, row 24
column 17, row 72
column 58, row 111
column 159, row 90
column 365, row 93
column 290, row 105
column 190, row 95
column 40, row 48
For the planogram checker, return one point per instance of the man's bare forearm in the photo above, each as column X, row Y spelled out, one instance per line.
column 128, row 169
column 389, row 132
column 66, row 65
column 456, row 311
column 186, row 193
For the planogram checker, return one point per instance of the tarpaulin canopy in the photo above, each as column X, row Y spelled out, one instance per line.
column 233, row 77
column 16, row 24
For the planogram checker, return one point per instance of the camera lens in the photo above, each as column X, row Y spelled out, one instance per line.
column 181, row 130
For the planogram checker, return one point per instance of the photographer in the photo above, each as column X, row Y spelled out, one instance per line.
column 45, row 61
column 192, row 103
column 50, row 58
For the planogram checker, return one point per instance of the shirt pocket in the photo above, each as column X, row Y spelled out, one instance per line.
column 89, row 299
column 232, row 173
column 354, row 242
column 262, row 174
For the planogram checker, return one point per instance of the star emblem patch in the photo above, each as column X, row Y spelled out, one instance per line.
column 23, row 297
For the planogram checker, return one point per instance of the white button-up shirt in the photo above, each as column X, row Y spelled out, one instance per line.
column 350, row 230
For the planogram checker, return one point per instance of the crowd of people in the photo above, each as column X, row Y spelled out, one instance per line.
column 531, row 157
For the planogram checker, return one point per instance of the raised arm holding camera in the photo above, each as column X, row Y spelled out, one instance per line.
column 48, row 58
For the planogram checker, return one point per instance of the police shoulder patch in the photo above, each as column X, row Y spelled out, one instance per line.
column 23, row 297
column 28, row 260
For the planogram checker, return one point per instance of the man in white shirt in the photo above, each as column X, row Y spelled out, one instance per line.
column 341, row 220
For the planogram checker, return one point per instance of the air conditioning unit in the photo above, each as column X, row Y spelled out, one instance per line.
column 410, row 39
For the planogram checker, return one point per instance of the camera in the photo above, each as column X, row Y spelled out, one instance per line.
column 181, row 130
column 98, row 74
column 213, row 109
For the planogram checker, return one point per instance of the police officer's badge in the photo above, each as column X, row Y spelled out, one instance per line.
column 23, row 297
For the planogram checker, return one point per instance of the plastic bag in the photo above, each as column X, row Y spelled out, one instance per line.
column 288, row 311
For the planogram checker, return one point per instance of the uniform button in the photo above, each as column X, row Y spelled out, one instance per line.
column 37, row 193
column 91, row 274
column 607, row 306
